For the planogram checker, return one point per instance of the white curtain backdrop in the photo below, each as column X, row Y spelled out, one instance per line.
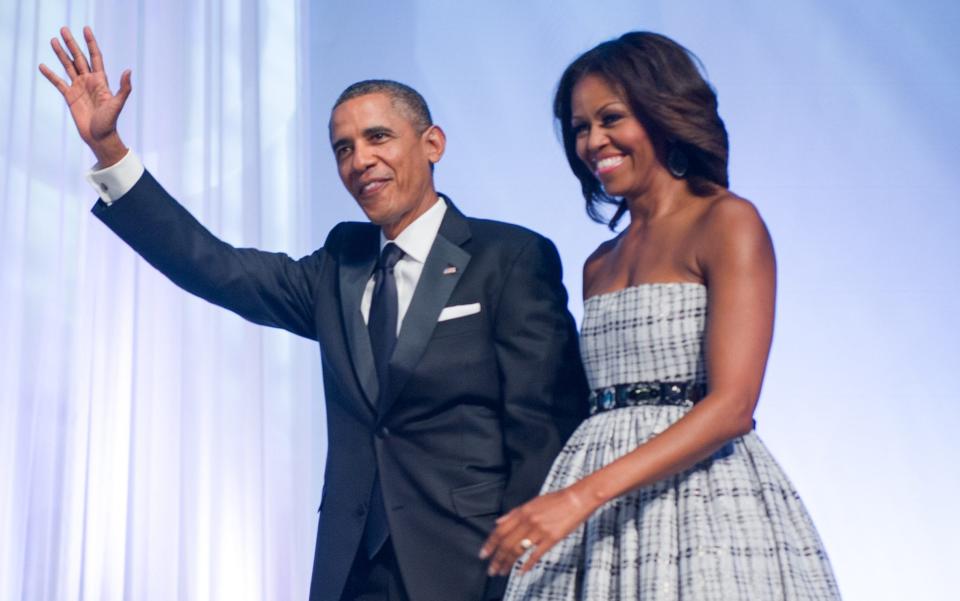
column 154, row 447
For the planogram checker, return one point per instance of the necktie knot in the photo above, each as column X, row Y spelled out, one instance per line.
column 389, row 256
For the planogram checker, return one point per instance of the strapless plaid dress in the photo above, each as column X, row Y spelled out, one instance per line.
column 730, row 528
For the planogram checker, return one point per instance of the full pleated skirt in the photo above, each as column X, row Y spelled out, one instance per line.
column 732, row 527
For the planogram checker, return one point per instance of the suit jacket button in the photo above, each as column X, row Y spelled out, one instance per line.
column 361, row 510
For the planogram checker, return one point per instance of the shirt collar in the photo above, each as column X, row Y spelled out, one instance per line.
column 416, row 239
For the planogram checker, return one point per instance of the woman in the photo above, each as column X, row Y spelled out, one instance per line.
column 665, row 492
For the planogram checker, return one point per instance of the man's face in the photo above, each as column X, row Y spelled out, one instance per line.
column 383, row 162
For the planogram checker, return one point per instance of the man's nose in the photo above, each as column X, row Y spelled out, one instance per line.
column 363, row 158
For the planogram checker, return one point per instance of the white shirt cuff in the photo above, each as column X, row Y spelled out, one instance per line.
column 116, row 180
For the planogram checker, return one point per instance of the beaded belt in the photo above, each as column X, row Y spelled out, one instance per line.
column 645, row 393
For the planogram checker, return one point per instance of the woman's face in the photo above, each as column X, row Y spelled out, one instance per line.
column 610, row 140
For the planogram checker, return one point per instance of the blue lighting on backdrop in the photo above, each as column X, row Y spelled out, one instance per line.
column 154, row 447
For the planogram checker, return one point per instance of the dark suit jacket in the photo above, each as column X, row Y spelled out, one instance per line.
column 478, row 407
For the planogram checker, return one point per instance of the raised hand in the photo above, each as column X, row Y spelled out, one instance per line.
column 93, row 107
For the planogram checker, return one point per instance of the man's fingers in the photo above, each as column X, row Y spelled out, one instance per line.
column 96, row 59
column 125, row 87
column 64, row 59
column 79, row 60
column 54, row 79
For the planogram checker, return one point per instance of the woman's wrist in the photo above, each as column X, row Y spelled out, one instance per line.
column 589, row 493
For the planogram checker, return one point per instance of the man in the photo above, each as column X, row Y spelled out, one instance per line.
column 450, row 363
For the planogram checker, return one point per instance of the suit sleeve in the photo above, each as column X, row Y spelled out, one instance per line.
column 542, row 381
column 266, row 288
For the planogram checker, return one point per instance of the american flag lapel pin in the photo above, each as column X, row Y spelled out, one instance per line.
column 450, row 270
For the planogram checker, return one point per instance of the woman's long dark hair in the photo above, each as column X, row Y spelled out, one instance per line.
column 661, row 82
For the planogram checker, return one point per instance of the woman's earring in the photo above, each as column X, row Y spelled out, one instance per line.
column 677, row 162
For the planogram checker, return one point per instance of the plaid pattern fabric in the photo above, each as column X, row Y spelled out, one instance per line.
column 732, row 527
column 646, row 333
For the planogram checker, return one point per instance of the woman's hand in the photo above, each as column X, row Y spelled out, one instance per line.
column 93, row 107
column 538, row 524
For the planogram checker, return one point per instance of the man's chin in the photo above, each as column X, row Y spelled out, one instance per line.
column 382, row 219
column 375, row 209
column 377, row 218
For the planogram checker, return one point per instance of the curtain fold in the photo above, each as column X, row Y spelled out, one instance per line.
column 153, row 446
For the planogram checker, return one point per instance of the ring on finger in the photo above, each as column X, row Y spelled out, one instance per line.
column 526, row 544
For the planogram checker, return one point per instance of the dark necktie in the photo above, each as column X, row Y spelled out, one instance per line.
column 382, row 323
column 382, row 326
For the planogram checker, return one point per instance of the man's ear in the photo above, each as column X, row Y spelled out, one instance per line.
column 435, row 143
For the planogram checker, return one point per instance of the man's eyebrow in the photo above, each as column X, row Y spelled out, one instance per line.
column 367, row 133
column 376, row 129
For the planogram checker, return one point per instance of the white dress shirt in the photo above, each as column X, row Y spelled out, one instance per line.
column 415, row 240
column 116, row 180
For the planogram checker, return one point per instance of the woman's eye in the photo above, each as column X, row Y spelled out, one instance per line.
column 611, row 118
column 578, row 129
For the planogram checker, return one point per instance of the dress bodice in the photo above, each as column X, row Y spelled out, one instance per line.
column 645, row 333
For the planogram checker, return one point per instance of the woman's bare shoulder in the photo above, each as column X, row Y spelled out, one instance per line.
column 731, row 229
column 727, row 218
column 598, row 258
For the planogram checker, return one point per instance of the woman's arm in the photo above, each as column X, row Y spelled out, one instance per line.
column 736, row 257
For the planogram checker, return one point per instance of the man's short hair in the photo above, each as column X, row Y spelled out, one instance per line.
column 404, row 98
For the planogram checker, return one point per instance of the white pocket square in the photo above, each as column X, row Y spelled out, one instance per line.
column 455, row 311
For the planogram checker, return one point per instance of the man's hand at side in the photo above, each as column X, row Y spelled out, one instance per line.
column 94, row 108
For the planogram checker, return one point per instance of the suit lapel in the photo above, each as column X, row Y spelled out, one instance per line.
column 355, row 269
column 437, row 282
